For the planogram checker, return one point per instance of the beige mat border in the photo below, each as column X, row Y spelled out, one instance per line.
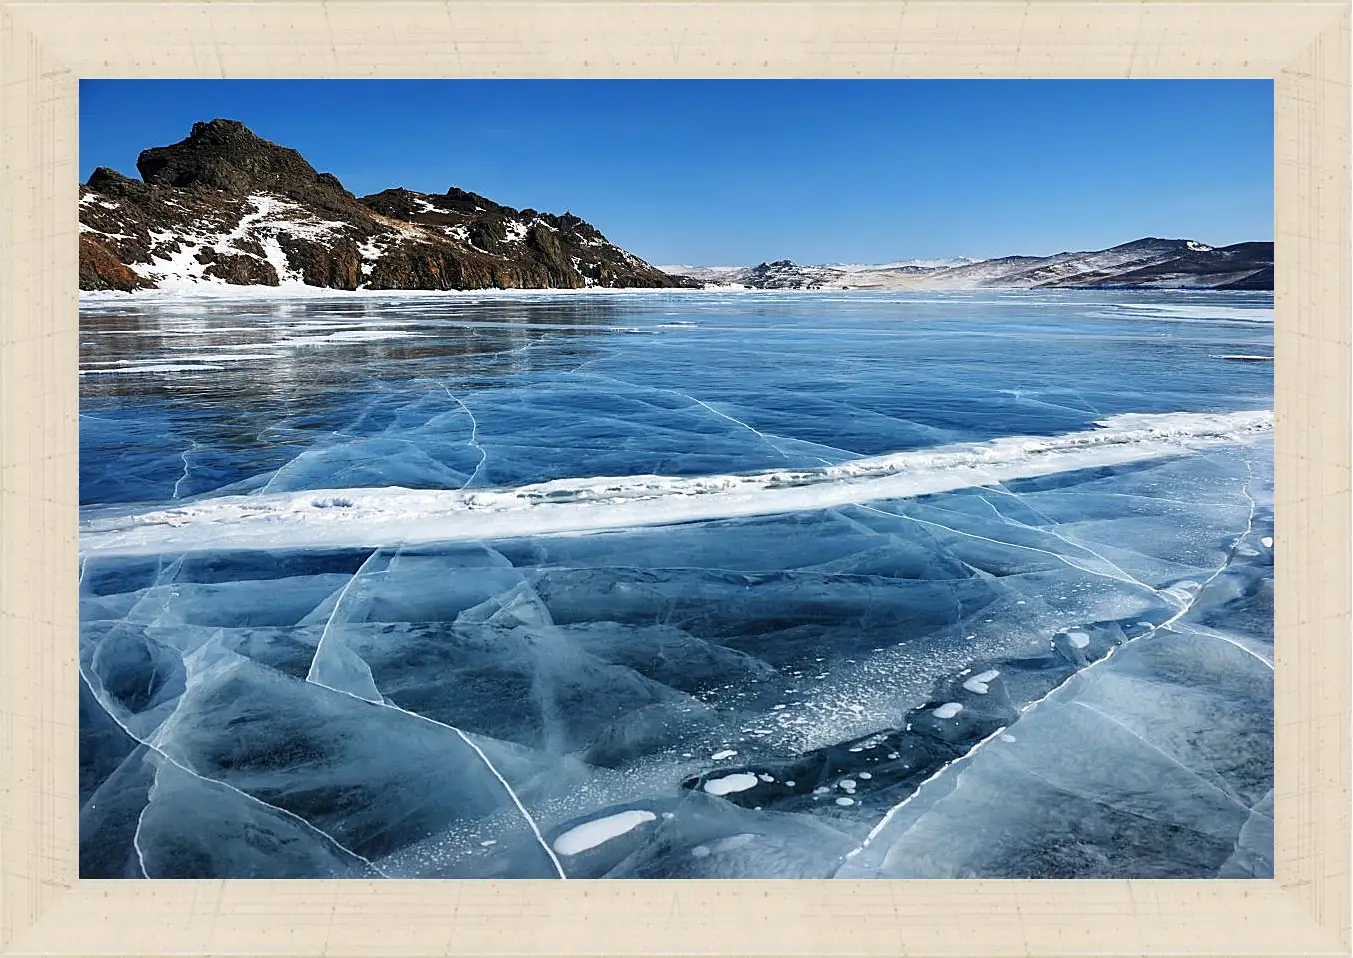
column 47, row 47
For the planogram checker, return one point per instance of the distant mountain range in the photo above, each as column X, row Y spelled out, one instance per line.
column 1145, row 263
column 226, row 207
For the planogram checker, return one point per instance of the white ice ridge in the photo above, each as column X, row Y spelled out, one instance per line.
column 374, row 517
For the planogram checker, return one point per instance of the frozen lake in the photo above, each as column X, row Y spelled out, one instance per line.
column 680, row 584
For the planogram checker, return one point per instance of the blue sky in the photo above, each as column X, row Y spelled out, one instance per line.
column 729, row 172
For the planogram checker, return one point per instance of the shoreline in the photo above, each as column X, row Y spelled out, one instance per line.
column 226, row 292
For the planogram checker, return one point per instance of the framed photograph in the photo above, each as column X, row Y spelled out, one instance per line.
column 644, row 478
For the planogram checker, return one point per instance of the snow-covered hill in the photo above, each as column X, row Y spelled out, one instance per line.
column 225, row 207
column 1150, row 263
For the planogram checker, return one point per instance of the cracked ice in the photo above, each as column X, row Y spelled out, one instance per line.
column 494, row 587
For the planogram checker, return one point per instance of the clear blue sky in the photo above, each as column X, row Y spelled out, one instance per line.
column 730, row 172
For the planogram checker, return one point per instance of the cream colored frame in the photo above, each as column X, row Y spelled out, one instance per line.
column 48, row 46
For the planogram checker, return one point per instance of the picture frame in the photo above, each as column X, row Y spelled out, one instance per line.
column 47, row 47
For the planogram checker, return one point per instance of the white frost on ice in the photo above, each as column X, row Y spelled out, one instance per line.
column 737, row 782
column 948, row 710
column 580, row 838
column 978, row 684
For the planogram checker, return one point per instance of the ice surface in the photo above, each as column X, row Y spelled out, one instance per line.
column 1132, row 769
column 833, row 680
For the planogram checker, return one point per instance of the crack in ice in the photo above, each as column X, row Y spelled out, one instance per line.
column 700, row 402
column 474, row 435
column 530, row 821
column 1013, row 545
column 184, row 477
column 338, row 603
column 1211, row 634
column 310, row 678
column 1219, row 789
column 1052, row 531
column 136, row 835
column 723, row 415
column 213, row 781
column 1075, row 676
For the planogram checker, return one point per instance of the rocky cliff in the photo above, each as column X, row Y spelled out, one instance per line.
column 228, row 207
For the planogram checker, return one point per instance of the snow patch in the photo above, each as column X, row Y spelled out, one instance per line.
column 425, row 207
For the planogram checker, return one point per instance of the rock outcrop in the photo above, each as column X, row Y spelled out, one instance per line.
column 227, row 206
column 101, row 269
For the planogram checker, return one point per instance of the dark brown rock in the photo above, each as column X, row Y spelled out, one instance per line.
column 101, row 269
column 226, row 155
column 112, row 183
column 335, row 265
column 488, row 234
column 238, row 270
column 546, row 244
